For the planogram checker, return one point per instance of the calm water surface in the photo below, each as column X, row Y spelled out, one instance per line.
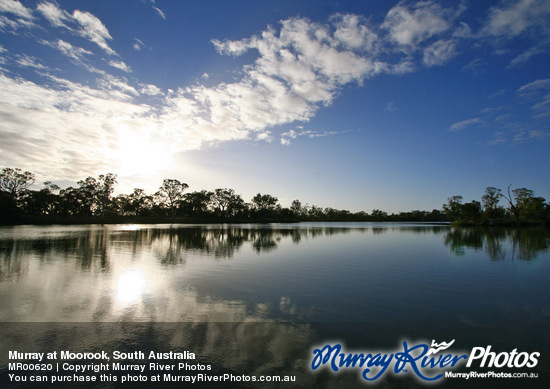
column 363, row 283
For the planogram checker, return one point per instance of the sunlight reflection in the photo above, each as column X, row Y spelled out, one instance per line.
column 131, row 227
column 130, row 286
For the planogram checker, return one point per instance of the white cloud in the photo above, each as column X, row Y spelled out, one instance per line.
column 529, row 53
column 413, row 25
column 300, row 67
column 16, row 8
column 498, row 138
column 538, row 93
column 67, row 131
column 291, row 134
column 286, row 137
column 232, row 47
column 31, row 62
column 159, row 12
column 439, row 52
column 119, row 87
column 55, row 15
column 80, row 23
column 476, row 66
column 138, row 44
column 23, row 16
column 265, row 136
column 120, row 65
column 534, row 86
column 150, row 90
column 531, row 134
column 353, row 32
column 93, row 30
column 513, row 18
column 77, row 55
column 523, row 18
column 464, row 123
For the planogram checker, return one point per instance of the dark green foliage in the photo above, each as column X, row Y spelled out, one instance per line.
column 523, row 208
column 93, row 202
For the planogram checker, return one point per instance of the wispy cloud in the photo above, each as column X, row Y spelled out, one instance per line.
column 138, row 44
column 23, row 16
column 513, row 19
column 476, row 66
column 526, row 120
column 120, row 65
column 77, row 55
column 63, row 130
column 287, row 137
column 150, row 90
column 159, row 12
column 30, row 61
column 80, row 23
column 390, row 107
column 411, row 25
column 157, row 9
column 93, row 30
column 464, row 123
column 538, row 93
column 531, row 134
column 16, row 8
column 300, row 67
column 56, row 16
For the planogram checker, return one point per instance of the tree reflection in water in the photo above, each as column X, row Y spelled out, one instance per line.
column 524, row 244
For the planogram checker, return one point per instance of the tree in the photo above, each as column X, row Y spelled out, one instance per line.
column 220, row 200
column 236, row 206
column 535, row 210
column 74, row 201
column 490, row 201
column 264, row 202
column 378, row 215
column 105, row 187
column 518, row 200
column 9, row 212
column 453, row 208
column 140, row 203
column 296, row 208
column 264, row 206
column 43, row 201
column 86, row 195
column 314, row 212
column 96, row 193
column 15, row 182
column 123, row 205
column 171, row 191
column 196, row 203
column 471, row 212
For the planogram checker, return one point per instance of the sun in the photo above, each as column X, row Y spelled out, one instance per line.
column 140, row 152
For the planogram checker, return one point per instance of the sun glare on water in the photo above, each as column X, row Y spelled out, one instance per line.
column 130, row 286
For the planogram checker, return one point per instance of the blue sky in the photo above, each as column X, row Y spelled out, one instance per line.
column 352, row 104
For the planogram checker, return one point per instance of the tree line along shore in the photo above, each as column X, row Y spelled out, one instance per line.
column 93, row 201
